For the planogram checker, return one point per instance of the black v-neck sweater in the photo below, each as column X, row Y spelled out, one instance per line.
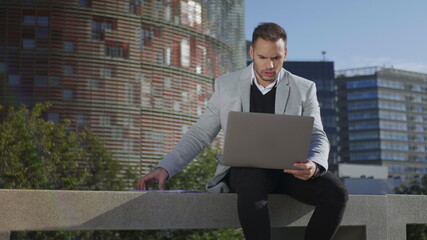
column 262, row 103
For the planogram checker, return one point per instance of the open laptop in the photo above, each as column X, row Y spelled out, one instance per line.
column 266, row 140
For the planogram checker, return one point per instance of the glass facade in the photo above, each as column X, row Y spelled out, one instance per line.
column 382, row 119
column 136, row 72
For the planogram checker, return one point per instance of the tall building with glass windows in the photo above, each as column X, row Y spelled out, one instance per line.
column 383, row 119
column 137, row 72
column 322, row 73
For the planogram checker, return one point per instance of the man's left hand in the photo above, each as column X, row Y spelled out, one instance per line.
column 305, row 170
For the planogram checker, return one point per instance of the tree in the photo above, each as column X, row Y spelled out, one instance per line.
column 40, row 154
column 415, row 186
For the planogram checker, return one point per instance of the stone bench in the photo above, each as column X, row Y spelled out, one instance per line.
column 372, row 217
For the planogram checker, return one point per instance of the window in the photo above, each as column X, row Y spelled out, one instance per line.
column 54, row 81
column 68, row 94
column 28, row 43
column 361, row 84
column 42, row 32
column 361, row 156
column 168, row 52
column 80, row 119
column 2, row 67
column 177, row 106
column 94, row 83
column 106, row 72
column 147, row 37
column 105, row 120
column 168, row 83
column 40, row 81
column 84, row 3
column 29, row 20
column 14, row 80
column 362, row 105
column 114, row 51
column 69, row 46
column 43, row 21
column 53, row 117
column 100, row 26
column 68, row 69
column 362, row 95
column 185, row 53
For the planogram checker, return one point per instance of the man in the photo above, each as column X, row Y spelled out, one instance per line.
column 265, row 87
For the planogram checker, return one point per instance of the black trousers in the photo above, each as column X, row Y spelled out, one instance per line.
column 252, row 185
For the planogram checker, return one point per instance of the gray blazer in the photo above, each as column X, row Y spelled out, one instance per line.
column 294, row 96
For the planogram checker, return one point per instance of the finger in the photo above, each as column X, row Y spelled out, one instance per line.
column 140, row 184
column 294, row 172
column 302, row 165
column 161, row 184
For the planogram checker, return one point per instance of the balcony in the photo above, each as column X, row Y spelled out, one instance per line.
column 371, row 217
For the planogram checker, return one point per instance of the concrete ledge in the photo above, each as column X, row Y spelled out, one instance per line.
column 379, row 217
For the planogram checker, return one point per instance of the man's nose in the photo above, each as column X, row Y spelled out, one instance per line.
column 270, row 64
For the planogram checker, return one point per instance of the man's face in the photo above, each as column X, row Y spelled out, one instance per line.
column 268, row 58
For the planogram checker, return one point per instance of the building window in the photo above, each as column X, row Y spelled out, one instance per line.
column 68, row 69
column 80, row 119
column 115, row 51
column 43, row 21
column 69, row 46
column 177, row 106
column 42, row 32
column 99, row 27
column 147, row 37
column 168, row 52
column 194, row 13
column 40, row 81
column 84, row 3
column 53, row 117
column 68, row 94
column 14, row 80
column 185, row 53
column 105, row 120
column 94, row 83
column 168, row 83
column 106, row 72
column 54, row 81
column 29, row 20
column 2, row 67
column 28, row 43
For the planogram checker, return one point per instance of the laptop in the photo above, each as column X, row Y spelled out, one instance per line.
column 264, row 140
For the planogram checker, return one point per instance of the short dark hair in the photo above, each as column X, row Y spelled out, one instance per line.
column 269, row 31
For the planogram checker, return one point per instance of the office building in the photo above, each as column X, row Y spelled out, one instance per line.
column 383, row 119
column 137, row 72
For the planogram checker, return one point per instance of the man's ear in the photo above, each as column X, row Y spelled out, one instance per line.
column 251, row 52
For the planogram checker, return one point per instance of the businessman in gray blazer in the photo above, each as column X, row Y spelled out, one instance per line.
column 264, row 86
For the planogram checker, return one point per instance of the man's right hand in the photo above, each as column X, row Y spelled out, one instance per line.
column 158, row 175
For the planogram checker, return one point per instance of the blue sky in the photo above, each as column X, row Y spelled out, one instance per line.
column 362, row 33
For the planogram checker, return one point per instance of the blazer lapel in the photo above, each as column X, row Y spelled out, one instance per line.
column 245, row 87
column 282, row 94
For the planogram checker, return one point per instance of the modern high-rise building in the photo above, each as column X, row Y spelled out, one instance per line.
column 323, row 74
column 383, row 119
column 137, row 72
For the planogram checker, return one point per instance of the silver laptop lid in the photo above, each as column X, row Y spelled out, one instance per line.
column 266, row 140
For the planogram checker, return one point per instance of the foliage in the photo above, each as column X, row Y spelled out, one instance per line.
column 39, row 154
column 415, row 186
